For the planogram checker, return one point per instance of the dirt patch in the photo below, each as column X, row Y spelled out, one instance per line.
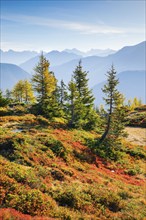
column 136, row 135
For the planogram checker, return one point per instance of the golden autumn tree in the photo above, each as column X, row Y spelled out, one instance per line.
column 23, row 92
column 44, row 83
column 28, row 92
column 18, row 91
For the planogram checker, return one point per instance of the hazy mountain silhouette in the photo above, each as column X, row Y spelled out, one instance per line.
column 54, row 57
column 16, row 57
column 10, row 74
column 128, row 58
column 129, row 62
column 92, row 52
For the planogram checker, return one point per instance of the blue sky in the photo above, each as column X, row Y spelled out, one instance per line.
column 57, row 25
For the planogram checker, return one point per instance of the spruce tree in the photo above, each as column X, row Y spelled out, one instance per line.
column 62, row 93
column 3, row 101
column 84, row 115
column 53, row 108
column 72, row 103
column 8, row 94
column 116, row 112
column 81, row 81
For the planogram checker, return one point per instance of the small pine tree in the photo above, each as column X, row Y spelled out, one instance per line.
column 53, row 108
column 116, row 112
column 62, row 96
column 8, row 95
column 3, row 101
column 83, row 113
column 72, row 104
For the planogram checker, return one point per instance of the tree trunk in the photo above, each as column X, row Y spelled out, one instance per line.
column 109, row 120
column 106, row 131
column 72, row 115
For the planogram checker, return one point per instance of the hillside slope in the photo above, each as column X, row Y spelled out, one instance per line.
column 52, row 172
column 10, row 75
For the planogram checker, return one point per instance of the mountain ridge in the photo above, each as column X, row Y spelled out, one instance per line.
column 54, row 57
column 98, row 66
column 129, row 59
column 10, row 74
column 16, row 57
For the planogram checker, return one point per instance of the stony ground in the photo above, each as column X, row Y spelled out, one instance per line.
column 136, row 135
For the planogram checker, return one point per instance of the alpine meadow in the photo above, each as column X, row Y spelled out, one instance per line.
column 72, row 110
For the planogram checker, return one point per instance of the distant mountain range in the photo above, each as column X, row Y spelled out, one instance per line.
column 10, row 74
column 129, row 63
column 16, row 57
column 54, row 57
column 128, row 58
column 19, row 57
column 92, row 52
column 57, row 58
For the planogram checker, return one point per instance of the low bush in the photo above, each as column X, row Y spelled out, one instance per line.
column 57, row 147
column 42, row 121
column 137, row 152
column 73, row 197
column 31, row 202
column 12, row 214
column 57, row 175
column 5, row 111
column 19, row 110
column 137, row 119
column 108, row 150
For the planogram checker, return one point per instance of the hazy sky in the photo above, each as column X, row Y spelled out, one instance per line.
column 57, row 25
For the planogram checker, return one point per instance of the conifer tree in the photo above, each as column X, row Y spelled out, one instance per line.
column 8, row 95
column 3, row 101
column 44, row 83
column 72, row 104
column 81, row 81
column 116, row 111
column 84, row 114
column 62, row 97
column 62, row 92
column 53, row 108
